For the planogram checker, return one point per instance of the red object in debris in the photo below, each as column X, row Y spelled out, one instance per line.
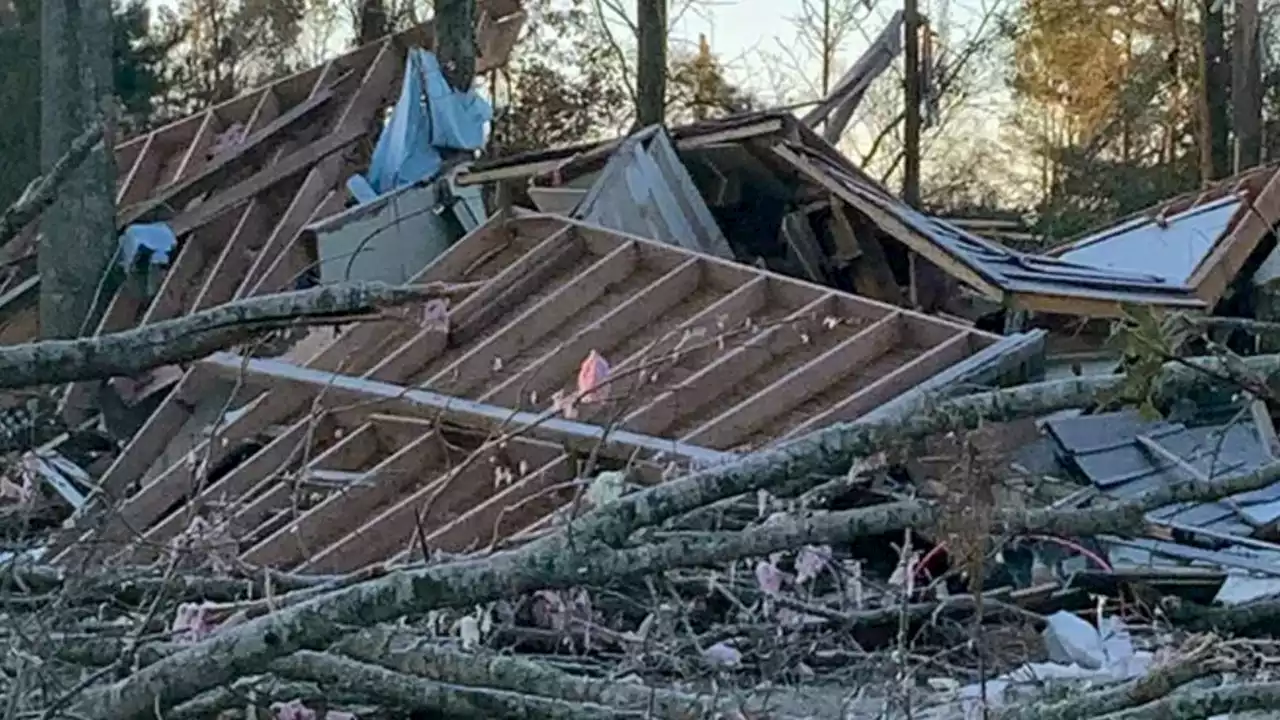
column 593, row 373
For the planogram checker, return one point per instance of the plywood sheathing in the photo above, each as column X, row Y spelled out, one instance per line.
column 238, row 211
column 704, row 352
column 1260, row 211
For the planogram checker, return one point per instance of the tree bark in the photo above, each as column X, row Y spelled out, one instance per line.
column 1215, row 78
column 372, row 24
column 31, row 205
column 912, row 99
column 78, row 238
column 583, row 558
column 456, row 41
column 651, row 65
column 1246, row 86
column 195, row 336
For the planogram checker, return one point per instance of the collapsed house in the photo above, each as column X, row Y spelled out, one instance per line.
column 639, row 308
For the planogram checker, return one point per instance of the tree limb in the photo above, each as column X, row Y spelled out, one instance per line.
column 197, row 335
column 407, row 653
column 314, row 624
column 1209, row 702
column 31, row 204
column 351, row 677
column 1159, row 683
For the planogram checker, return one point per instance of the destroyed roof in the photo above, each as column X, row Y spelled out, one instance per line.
column 777, row 144
column 1124, row 455
column 707, row 358
column 1202, row 239
column 238, row 181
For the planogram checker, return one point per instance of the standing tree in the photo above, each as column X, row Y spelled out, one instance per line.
column 651, row 62
column 1215, row 78
column 78, row 238
column 456, row 41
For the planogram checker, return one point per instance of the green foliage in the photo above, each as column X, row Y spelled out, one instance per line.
column 139, row 62
column 1148, row 339
column 1109, row 105
column 220, row 48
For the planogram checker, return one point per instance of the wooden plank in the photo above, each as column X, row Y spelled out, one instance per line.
column 890, row 224
column 726, row 312
column 315, row 186
column 720, row 376
column 477, row 366
column 262, row 181
column 796, row 387
column 641, row 309
column 234, row 257
column 294, row 261
column 1215, row 273
column 351, row 453
column 435, row 505
column 152, row 438
column 305, row 383
column 515, row 283
column 333, row 517
column 799, row 238
column 1088, row 307
column 474, row 314
column 508, row 511
column 927, row 364
column 248, row 152
column 194, row 156
column 868, row 266
column 261, row 470
column 375, row 89
column 153, row 501
column 141, row 173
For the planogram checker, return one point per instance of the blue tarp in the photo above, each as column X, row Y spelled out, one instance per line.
column 408, row 149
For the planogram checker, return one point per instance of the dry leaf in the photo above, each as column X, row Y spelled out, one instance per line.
column 810, row 561
column 768, row 577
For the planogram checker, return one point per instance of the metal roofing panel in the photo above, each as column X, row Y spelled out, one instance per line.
column 1169, row 248
column 1106, row 450
column 1020, row 272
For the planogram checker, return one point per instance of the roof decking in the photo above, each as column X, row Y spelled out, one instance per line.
column 707, row 357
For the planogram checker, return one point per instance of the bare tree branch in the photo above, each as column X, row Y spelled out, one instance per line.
column 583, row 557
column 194, row 336
column 30, row 205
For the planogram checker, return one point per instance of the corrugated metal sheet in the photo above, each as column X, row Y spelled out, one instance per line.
column 1171, row 248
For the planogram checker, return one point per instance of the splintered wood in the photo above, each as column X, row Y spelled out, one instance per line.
column 422, row 433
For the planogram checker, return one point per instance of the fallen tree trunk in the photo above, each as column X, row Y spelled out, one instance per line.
column 795, row 465
column 197, row 335
column 314, row 624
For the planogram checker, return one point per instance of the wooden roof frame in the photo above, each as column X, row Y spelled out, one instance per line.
column 239, row 215
column 553, row 290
